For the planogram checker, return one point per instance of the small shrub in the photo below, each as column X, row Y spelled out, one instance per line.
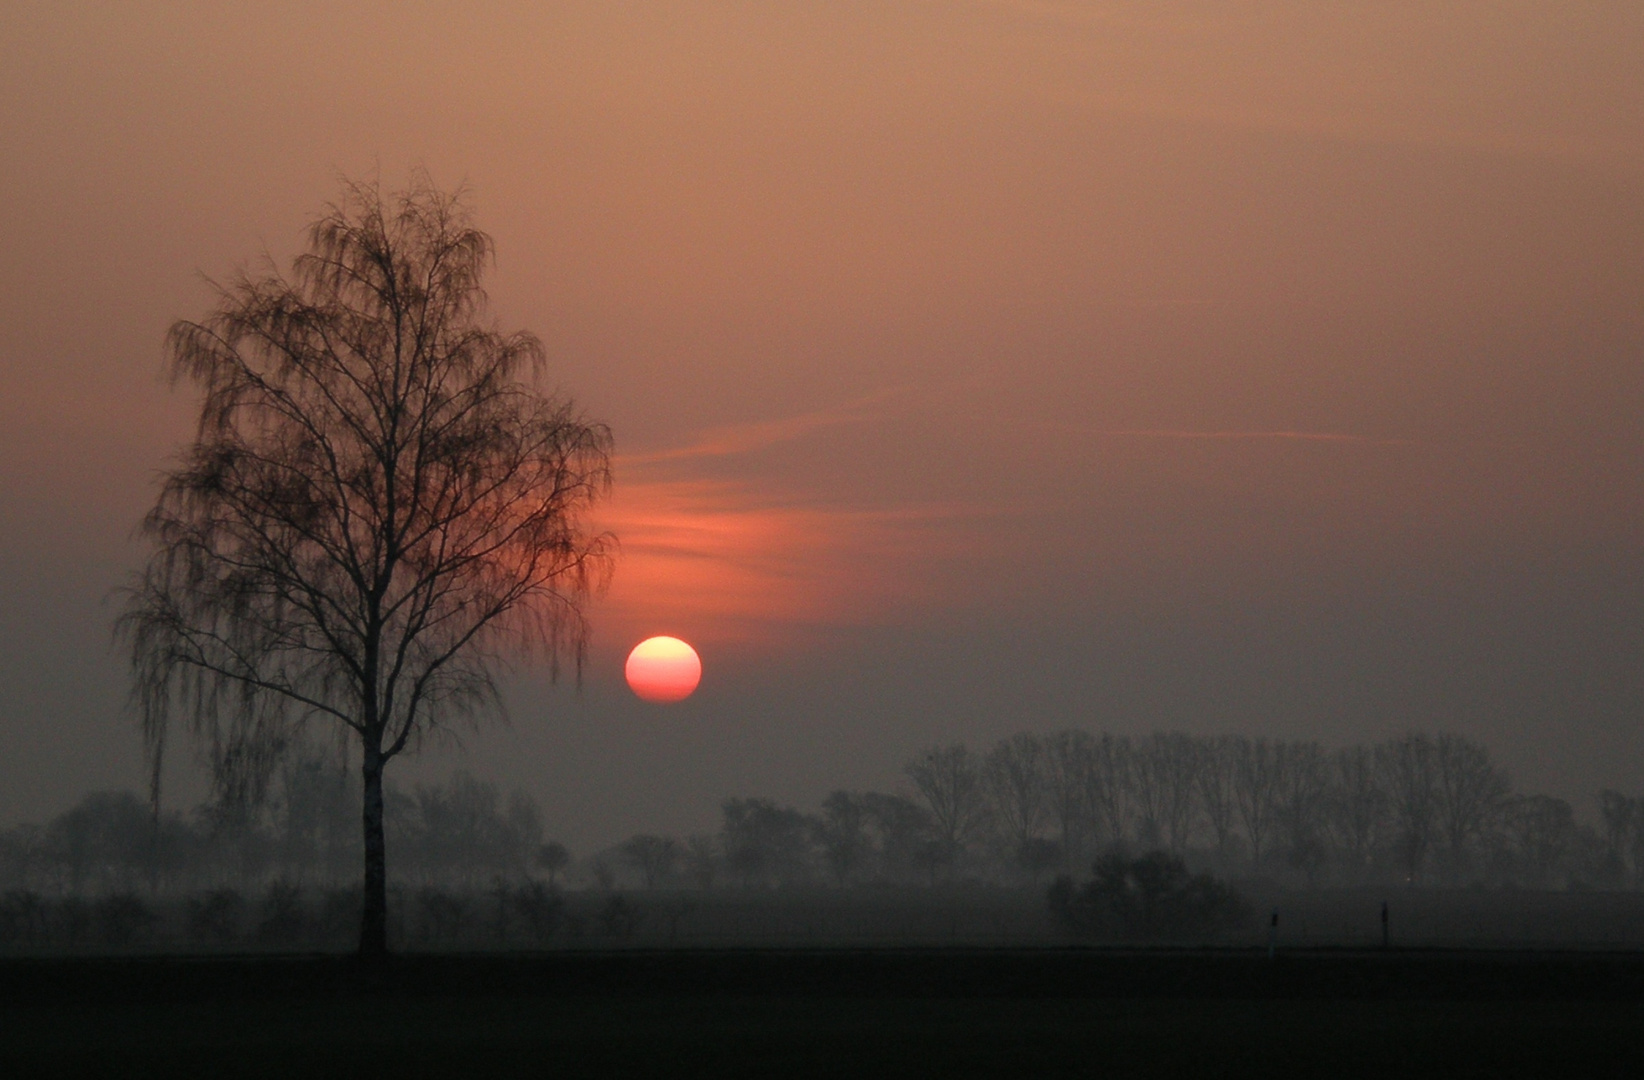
column 22, row 917
column 283, row 919
column 619, row 919
column 70, row 921
column 1037, row 855
column 674, row 911
column 214, row 917
column 121, row 918
column 553, row 857
column 540, row 909
column 502, row 908
column 444, row 916
column 1152, row 898
column 340, row 912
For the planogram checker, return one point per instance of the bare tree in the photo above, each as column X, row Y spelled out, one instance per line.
column 1068, row 757
column 702, row 860
column 553, row 857
column 1358, row 804
column 103, row 841
column 1543, row 830
column 1110, row 787
column 764, row 842
column 1215, row 778
column 1014, row 776
column 1299, row 772
column 949, row 780
column 1409, row 775
column 1623, row 831
column 1148, row 786
column 1470, row 794
column 313, row 817
column 904, row 835
column 842, row 834
column 1636, row 847
column 1178, row 768
column 1255, row 792
column 655, row 857
column 378, row 509
column 458, row 830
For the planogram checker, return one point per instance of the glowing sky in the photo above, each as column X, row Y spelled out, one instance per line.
column 974, row 366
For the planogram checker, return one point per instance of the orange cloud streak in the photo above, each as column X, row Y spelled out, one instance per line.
column 716, row 561
column 746, row 438
column 1298, row 436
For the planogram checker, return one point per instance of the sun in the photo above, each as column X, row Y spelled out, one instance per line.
column 663, row 669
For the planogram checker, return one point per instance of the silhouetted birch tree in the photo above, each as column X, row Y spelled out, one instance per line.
column 378, row 509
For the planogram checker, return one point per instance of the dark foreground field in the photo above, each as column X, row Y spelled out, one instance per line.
column 831, row 1013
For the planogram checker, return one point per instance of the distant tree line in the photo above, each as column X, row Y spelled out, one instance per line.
column 1419, row 809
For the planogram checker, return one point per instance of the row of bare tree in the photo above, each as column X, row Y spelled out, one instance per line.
column 1419, row 809
column 1419, row 805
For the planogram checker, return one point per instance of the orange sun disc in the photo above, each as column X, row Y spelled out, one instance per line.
column 663, row 669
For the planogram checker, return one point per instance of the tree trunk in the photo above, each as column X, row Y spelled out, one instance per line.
column 374, row 910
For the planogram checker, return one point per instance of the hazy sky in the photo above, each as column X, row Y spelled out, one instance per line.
column 974, row 367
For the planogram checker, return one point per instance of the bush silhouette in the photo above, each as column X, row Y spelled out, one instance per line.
column 70, row 921
column 1151, row 898
column 540, row 909
column 23, row 917
column 284, row 920
column 619, row 919
column 214, row 917
column 445, row 916
column 121, row 918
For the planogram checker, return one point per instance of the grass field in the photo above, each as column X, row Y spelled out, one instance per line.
column 832, row 1013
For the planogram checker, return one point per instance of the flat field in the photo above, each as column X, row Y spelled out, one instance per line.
column 851, row 1013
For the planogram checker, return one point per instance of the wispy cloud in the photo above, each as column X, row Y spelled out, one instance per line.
column 741, row 559
column 758, row 435
column 1246, row 436
column 723, row 560
column 1212, row 434
column 1096, row 15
